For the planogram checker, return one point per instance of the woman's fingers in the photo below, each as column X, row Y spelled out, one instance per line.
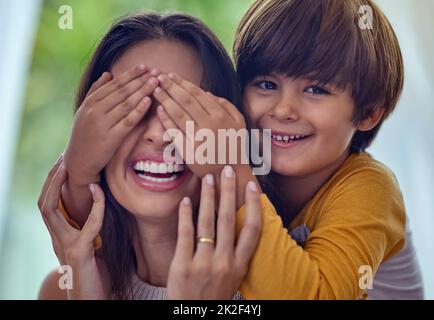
column 206, row 221
column 226, row 214
column 49, row 209
column 251, row 230
column 185, row 241
column 47, row 182
column 96, row 217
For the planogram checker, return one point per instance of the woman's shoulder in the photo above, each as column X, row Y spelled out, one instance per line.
column 54, row 286
column 51, row 289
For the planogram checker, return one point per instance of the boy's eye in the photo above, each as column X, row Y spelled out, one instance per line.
column 266, row 85
column 315, row 90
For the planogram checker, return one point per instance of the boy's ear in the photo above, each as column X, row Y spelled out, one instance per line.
column 370, row 122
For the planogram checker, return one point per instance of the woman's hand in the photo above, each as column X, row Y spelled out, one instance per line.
column 217, row 267
column 74, row 247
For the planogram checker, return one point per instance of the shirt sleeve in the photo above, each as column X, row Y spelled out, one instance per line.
column 97, row 242
column 362, row 224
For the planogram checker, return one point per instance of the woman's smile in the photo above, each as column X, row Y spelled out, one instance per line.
column 150, row 172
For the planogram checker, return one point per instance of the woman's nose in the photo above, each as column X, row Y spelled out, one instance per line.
column 154, row 132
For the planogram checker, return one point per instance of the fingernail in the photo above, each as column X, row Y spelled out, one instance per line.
column 146, row 100
column 155, row 72
column 157, row 90
column 152, row 82
column 186, row 201
column 161, row 78
column 209, row 178
column 229, row 172
column 252, row 186
column 171, row 75
column 160, row 109
column 92, row 188
column 141, row 67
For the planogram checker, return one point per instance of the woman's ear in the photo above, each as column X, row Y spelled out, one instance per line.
column 370, row 122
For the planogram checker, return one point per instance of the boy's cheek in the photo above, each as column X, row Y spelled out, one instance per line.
column 256, row 110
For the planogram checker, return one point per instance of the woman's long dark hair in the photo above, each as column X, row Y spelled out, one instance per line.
column 219, row 77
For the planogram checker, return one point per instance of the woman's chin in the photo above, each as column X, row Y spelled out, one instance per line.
column 153, row 210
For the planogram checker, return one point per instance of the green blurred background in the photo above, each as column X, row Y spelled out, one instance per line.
column 59, row 58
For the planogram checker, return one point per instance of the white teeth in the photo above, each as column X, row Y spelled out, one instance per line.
column 154, row 167
column 170, row 168
column 160, row 180
column 158, row 167
column 286, row 139
column 162, row 168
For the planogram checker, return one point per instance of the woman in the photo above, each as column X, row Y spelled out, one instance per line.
column 118, row 131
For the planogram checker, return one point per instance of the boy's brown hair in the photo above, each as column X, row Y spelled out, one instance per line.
column 322, row 40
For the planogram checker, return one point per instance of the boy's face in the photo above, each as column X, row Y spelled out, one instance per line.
column 311, row 125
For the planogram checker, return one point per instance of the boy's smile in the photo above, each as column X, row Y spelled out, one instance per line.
column 288, row 139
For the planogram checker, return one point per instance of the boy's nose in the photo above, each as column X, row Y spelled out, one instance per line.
column 285, row 109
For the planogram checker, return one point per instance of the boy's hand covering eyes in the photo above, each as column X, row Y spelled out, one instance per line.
column 111, row 109
column 215, row 267
column 183, row 101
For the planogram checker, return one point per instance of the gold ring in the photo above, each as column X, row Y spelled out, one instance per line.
column 205, row 240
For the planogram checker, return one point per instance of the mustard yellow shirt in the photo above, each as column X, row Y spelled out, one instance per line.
column 356, row 219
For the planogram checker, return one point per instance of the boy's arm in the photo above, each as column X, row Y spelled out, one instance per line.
column 362, row 225
column 77, row 198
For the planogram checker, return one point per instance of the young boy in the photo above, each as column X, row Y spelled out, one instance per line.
column 323, row 75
